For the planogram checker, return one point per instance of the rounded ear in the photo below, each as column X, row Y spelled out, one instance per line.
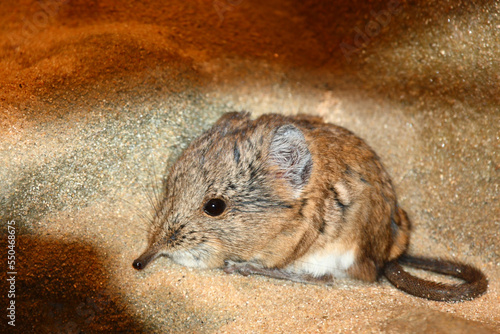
column 289, row 152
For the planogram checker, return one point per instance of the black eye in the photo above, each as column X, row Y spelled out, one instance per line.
column 215, row 207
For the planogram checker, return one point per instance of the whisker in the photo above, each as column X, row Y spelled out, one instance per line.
column 155, row 196
column 137, row 210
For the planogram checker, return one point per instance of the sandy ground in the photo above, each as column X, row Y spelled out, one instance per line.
column 98, row 97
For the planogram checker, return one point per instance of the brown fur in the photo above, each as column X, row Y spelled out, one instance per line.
column 330, row 195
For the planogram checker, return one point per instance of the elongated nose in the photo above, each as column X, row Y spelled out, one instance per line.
column 138, row 264
column 142, row 261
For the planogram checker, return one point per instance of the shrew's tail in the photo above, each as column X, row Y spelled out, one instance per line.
column 475, row 282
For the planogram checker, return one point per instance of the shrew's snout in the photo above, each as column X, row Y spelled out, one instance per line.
column 138, row 264
column 142, row 261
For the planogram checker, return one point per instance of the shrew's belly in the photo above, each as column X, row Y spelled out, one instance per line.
column 333, row 261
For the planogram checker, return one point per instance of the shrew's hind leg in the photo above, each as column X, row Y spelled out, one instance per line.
column 247, row 268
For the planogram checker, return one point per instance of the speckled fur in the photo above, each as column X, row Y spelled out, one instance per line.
column 328, row 209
